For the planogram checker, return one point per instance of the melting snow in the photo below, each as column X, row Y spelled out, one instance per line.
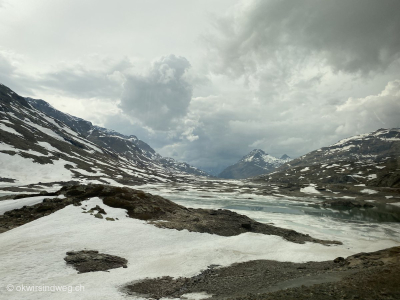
column 39, row 248
column 4, row 127
column 25, row 171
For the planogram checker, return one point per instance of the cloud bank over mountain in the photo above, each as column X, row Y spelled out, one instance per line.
column 209, row 82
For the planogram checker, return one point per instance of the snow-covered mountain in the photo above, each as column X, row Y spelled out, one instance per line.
column 255, row 163
column 370, row 158
column 129, row 146
column 35, row 147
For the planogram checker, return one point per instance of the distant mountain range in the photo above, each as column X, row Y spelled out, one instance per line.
column 367, row 159
column 41, row 144
column 255, row 163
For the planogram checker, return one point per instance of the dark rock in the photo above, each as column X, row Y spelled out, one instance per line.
column 98, row 215
column 339, row 260
column 348, row 204
column 246, row 226
column 92, row 261
column 99, row 210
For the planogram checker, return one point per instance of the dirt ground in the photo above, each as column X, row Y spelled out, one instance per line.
column 363, row 276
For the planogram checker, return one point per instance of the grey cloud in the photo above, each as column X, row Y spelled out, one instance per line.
column 160, row 98
column 295, row 128
column 361, row 115
column 11, row 77
column 81, row 81
column 350, row 36
column 75, row 80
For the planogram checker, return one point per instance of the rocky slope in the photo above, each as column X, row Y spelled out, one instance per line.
column 255, row 163
column 362, row 276
column 128, row 146
column 37, row 148
column 371, row 159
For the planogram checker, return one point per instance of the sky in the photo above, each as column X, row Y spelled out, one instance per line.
column 207, row 81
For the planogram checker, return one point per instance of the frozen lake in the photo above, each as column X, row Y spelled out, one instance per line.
column 305, row 215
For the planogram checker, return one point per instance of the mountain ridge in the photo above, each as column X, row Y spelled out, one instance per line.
column 127, row 145
column 35, row 147
column 256, row 162
column 370, row 158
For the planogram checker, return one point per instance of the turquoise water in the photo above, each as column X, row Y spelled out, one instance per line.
column 305, row 215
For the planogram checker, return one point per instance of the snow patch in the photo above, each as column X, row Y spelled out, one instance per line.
column 368, row 191
column 4, row 127
column 310, row 189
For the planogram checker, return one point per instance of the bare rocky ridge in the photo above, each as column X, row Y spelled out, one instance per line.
column 152, row 208
column 361, row 276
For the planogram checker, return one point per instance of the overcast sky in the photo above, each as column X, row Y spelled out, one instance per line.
column 206, row 81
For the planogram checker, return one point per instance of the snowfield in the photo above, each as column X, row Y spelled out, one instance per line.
column 26, row 171
column 33, row 254
column 6, row 205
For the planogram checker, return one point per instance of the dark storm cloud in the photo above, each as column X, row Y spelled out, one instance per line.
column 350, row 36
column 278, row 75
column 161, row 97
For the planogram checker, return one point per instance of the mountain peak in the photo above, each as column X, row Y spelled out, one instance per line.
column 254, row 153
column 254, row 163
column 285, row 157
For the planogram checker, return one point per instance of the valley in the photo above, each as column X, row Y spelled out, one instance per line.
column 173, row 231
